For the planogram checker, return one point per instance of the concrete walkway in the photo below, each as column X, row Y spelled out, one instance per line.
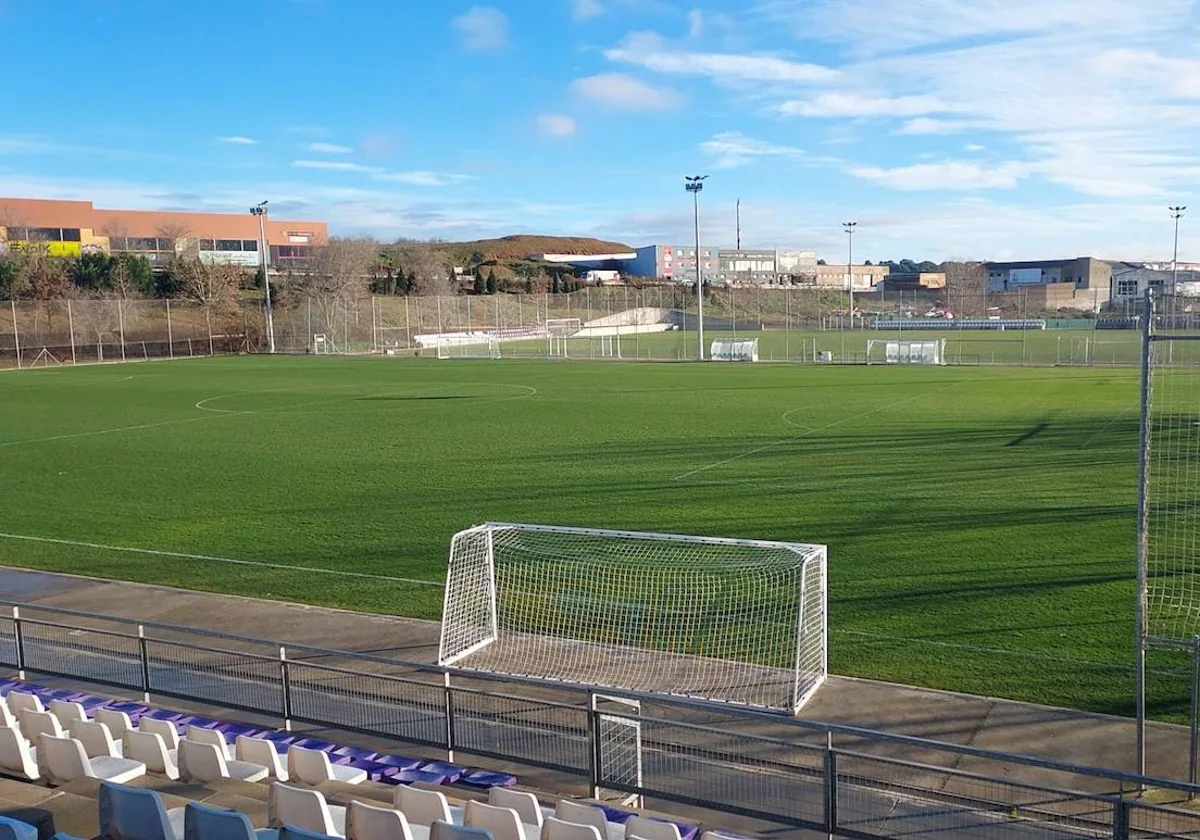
column 986, row 723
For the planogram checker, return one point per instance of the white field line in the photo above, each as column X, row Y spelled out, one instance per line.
column 112, row 431
column 809, row 430
column 214, row 559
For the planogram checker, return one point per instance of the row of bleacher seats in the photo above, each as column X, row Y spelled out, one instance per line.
column 115, row 742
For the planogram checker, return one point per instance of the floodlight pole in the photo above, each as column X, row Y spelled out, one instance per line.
column 1143, row 541
column 694, row 184
column 260, row 210
column 1176, row 213
column 850, row 226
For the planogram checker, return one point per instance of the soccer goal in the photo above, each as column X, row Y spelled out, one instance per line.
column 467, row 344
column 903, row 352
column 734, row 621
column 558, row 330
column 322, row 346
column 734, row 350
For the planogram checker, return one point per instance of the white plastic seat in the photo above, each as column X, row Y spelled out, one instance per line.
column 524, row 803
column 313, row 767
column 555, row 829
column 261, row 751
column 63, row 760
column 67, row 711
column 503, row 823
column 442, row 830
column 96, row 739
column 17, row 757
column 150, row 749
column 422, row 807
column 6, row 717
column 164, row 728
column 583, row 814
column 118, row 723
column 19, row 701
column 288, row 805
column 720, row 835
column 207, row 763
column 35, row 724
column 374, row 822
column 210, row 736
column 648, row 829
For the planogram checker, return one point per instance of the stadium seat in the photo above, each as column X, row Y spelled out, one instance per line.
column 555, row 829
column 424, row 807
column 583, row 814
column 137, row 814
column 452, row 772
column 487, row 779
column 648, row 829
column 150, row 749
column 442, row 830
column 503, row 823
column 67, row 711
column 96, row 739
column 35, row 724
column 118, row 722
column 215, row 737
column 355, row 752
column 161, row 727
column 312, row 767
column 63, row 760
column 403, row 762
column 207, row 763
column 11, row 829
column 19, row 701
column 17, row 757
column 292, row 832
column 6, row 717
column 203, row 822
column 261, row 751
column 373, row 822
column 307, row 809
column 525, row 804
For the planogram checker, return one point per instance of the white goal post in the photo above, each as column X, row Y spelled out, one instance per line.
column 732, row 621
column 322, row 346
column 558, row 330
column 893, row 351
column 734, row 350
column 467, row 344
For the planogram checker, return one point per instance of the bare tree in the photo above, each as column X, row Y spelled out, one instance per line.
column 177, row 232
column 966, row 287
column 429, row 269
column 209, row 283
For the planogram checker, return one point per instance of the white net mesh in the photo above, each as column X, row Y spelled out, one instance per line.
column 728, row 620
column 734, row 350
column 467, row 344
column 904, row 352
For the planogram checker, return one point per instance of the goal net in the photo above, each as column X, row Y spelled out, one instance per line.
column 467, row 344
column 735, row 621
column 558, row 330
column 322, row 346
column 734, row 350
column 904, row 352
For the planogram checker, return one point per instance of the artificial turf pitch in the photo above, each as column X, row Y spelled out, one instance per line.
column 980, row 521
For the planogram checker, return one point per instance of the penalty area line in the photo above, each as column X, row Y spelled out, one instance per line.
column 231, row 560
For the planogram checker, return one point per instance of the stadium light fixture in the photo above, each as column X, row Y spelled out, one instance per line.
column 850, row 227
column 260, row 210
column 1176, row 214
column 694, row 184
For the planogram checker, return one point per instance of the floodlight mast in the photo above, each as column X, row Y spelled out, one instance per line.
column 850, row 227
column 1176, row 214
column 694, row 184
column 260, row 210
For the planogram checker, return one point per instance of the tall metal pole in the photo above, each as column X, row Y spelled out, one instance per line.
column 1143, row 543
column 694, row 184
column 1176, row 213
column 260, row 210
column 739, row 224
column 850, row 226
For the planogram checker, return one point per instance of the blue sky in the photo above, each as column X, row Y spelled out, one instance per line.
column 947, row 128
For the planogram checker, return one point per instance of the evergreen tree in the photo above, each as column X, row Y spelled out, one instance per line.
column 492, row 288
column 480, row 284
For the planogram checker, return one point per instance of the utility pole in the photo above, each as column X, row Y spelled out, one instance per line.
column 694, row 184
column 850, row 226
column 1176, row 213
column 260, row 210
column 738, row 211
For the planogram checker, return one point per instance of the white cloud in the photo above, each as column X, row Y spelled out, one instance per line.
column 649, row 50
column 328, row 149
column 859, row 105
column 975, row 147
column 623, row 92
column 336, row 166
column 483, row 28
column 947, row 175
column 586, row 9
column 731, row 149
column 556, row 125
column 237, row 140
column 422, row 178
column 695, row 23
column 931, row 125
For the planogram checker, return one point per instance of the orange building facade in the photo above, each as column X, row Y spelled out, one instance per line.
column 72, row 228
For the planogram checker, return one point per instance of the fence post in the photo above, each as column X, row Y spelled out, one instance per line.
column 830, row 787
column 16, row 339
column 170, row 336
column 121, row 325
column 449, row 717
column 1194, row 745
column 594, row 766
column 1120, row 826
column 71, row 327
column 285, row 683
column 19, row 635
column 144, row 656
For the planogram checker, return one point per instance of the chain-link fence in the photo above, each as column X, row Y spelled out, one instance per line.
column 791, row 324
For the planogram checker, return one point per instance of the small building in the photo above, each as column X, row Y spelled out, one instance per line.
column 1131, row 284
column 1084, row 273
column 864, row 278
column 921, row 281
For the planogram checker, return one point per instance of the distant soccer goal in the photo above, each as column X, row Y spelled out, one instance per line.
column 902, row 352
column 322, row 346
column 734, row 621
column 467, row 344
column 558, row 330
column 734, row 350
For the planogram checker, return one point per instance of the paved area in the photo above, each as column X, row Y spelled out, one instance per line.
column 987, row 723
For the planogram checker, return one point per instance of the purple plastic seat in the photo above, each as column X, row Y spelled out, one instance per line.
column 406, row 776
column 233, row 730
column 166, row 714
column 136, row 711
column 316, row 744
column 355, row 752
column 91, row 702
column 375, row 771
column 487, row 779
column 403, row 762
column 198, row 721
column 452, row 772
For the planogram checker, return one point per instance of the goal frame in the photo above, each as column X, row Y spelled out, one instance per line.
column 471, row 620
column 450, row 341
column 322, row 345
column 558, row 330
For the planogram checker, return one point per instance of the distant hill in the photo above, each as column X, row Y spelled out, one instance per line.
column 521, row 246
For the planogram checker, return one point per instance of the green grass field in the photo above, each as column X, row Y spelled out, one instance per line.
column 980, row 521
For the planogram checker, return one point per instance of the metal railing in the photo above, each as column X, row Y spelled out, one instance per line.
column 839, row 780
